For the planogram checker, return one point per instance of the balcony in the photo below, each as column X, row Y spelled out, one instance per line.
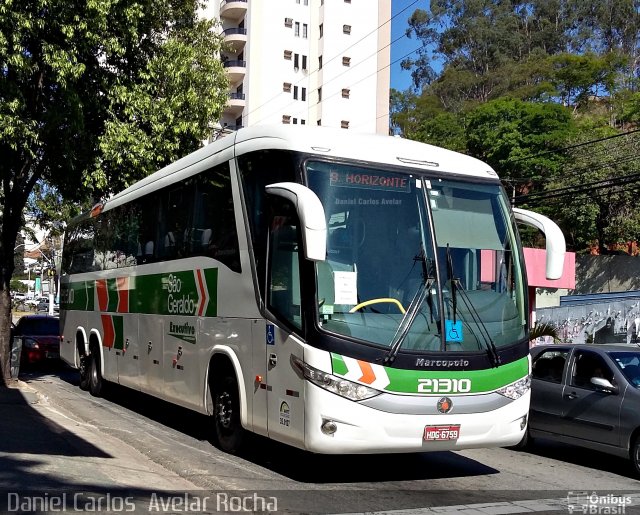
column 233, row 9
column 235, row 70
column 235, row 38
column 235, row 104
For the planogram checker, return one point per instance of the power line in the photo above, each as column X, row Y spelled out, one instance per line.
column 577, row 145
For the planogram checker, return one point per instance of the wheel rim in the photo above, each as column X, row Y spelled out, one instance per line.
column 225, row 410
column 94, row 371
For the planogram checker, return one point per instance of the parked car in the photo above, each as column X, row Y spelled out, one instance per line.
column 587, row 395
column 43, row 306
column 40, row 335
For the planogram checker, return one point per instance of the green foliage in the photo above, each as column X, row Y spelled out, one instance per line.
column 18, row 286
column 543, row 329
column 95, row 94
column 506, row 132
column 514, row 83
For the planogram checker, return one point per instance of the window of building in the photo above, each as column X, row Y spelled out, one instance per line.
column 321, row 29
column 304, row 62
column 286, row 87
column 295, row 92
column 295, row 121
column 320, row 94
column 296, row 61
column 288, row 22
column 296, row 32
column 346, row 29
column 346, row 61
column 345, row 92
column 347, row 1
column 303, row 94
column 344, row 124
column 288, row 54
column 302, row 122
column 305, row 30
column 306, row 2
column 320, row 63
column 286, row 118
column 319, row 123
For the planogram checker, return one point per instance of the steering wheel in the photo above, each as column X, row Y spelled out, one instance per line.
column 378, row 301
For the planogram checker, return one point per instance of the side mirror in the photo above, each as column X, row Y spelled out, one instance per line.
column 311, row 215
column 556, row 247
column 604, row 384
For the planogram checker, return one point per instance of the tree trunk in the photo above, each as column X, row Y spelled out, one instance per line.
column 5, row 335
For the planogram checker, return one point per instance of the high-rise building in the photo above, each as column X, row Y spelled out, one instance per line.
column 316, row 62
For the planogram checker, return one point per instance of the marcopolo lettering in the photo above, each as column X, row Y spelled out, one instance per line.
column 442, row 363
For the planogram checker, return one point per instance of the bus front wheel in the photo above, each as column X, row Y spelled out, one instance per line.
column 228, row 429
column 95, row 376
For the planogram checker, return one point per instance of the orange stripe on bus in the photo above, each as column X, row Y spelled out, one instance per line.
column 123, row 294
column 368, row 375
column 109, row 335
column 103, row 294
column 202, row 292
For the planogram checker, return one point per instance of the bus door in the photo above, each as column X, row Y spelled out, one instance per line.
column 285, row 389
column 150, row 354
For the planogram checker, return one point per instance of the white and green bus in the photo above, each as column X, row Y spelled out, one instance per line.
column 337, row 292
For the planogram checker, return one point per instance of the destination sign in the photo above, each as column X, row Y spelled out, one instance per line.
column 370, row 180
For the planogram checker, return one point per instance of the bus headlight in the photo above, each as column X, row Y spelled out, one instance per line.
column 333, row 384
column 516, row 390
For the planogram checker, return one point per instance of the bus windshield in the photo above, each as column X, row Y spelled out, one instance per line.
column 417, row 263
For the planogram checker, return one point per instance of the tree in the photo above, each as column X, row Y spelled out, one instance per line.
column 95, row 94
column 518, row 139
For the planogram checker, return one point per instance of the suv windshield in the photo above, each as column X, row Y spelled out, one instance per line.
column 416, row 263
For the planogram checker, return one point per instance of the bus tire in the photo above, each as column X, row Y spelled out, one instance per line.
column 228, row 431
column 85, row 375
column 95, row 376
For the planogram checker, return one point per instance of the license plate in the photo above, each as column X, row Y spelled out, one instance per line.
column 434, row 433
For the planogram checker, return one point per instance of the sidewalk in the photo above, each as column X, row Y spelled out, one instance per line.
column 45, row 449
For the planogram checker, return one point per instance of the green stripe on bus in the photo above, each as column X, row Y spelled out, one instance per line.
column 338, row 364
column 112, row 292
column 488, row 380
column 175, row 293
column 118, row 329
column 407, row 381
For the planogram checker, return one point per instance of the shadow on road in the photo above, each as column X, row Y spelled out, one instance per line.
column 582, row 457
column 287, row 461
column 24, row 431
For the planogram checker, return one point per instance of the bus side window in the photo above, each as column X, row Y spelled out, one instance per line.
column 284, row 270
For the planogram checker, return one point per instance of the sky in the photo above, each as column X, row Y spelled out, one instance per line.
column 401, row 10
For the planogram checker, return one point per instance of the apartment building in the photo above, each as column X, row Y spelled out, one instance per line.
column 315, row 62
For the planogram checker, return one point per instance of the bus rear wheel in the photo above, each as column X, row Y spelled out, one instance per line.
column 95, row 376
column 228, row 430
column 85, row 376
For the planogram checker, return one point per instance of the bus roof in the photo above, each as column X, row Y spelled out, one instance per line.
column 322, row 141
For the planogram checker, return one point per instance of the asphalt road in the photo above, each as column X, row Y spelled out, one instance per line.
column 547, row 478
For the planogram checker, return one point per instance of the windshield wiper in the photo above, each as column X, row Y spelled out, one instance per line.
column 492, row 351
column 423, row 293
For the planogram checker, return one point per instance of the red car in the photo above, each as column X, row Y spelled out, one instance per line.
column 40, row 336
